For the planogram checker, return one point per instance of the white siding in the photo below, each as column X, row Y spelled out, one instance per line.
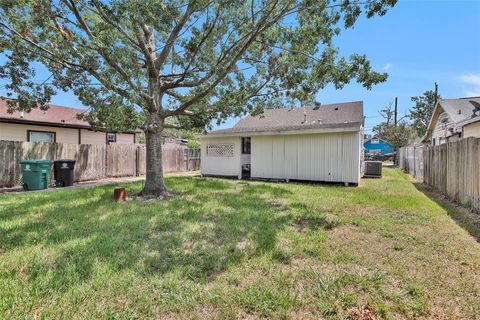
column 261, row 157
column 221, row 165
column 320, row 157
column 278, row 157
column 291, row 157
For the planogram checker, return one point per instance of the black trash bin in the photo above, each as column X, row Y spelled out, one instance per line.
column 63, row 172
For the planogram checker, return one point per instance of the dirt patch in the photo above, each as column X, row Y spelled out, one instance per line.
column 203, row 312
column 313, row 223
column 364, row 312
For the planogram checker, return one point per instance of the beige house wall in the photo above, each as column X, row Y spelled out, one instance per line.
column 125, row 138
column 18, row 132
column 93, row 137
column 472, row 130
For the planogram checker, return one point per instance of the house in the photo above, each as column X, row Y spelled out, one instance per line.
column 377, row 146
column 317, row 143
column 453, row 119
column 57, row 124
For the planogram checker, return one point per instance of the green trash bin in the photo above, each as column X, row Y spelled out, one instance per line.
column 35, row 173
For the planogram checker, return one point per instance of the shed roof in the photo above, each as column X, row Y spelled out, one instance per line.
column 338, row 115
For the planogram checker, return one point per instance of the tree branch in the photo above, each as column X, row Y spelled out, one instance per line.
column 262, row 25
column 173, row 35
column 107, row 19
column 55, row 58
column 172, row 126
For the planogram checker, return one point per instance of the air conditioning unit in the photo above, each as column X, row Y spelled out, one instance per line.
column 373, row 169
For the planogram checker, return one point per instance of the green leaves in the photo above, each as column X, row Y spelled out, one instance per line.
column 422, row 111
column 192, row 60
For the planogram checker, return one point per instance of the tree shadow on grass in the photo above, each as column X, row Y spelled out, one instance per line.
column 209, row 230
column 64, row 237
column 465, row 218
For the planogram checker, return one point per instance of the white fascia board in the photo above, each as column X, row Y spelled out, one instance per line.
column 280, row 132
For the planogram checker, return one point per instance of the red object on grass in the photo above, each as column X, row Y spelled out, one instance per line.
column 119, row 194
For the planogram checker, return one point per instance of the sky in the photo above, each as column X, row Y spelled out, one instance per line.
column 418, row 43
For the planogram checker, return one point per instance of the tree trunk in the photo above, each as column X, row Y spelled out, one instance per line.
column 154, row 183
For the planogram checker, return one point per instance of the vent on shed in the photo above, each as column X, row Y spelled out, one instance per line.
column 220, row 150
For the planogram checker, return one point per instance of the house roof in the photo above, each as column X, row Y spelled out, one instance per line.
column 338, row 115
column 461, row 109
column 55, row 116
column 377, row 139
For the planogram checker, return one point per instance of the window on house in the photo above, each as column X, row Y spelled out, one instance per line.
column 433, row 141
column 111, row 137
column 245, row 145
column 41, row 136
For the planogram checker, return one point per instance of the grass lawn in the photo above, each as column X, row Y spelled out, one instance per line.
column 234, row 249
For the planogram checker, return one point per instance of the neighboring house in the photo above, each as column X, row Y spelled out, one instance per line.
column 319, row 143
column 378, row 146
column 453, row 119
column 57, row 124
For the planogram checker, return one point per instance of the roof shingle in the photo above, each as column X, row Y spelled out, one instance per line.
column 313, row 117
column 55, row 115
column 462, row 109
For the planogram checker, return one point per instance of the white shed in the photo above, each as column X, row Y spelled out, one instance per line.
column 317, row 143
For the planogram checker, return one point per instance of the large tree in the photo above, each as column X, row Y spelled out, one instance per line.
column 398, row 134
column 422, row 111
column 178, row 63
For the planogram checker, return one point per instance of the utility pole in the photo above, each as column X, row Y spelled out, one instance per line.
column 395, row 112
column 436, row 95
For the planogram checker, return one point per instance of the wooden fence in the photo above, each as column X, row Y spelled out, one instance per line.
column 454, row 169
column 93, row 162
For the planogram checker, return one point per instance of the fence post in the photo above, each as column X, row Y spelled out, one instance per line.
column 414, row 160
column 137, row 156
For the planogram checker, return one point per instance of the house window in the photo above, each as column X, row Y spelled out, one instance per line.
column 111, row 137
column 40, row 136
column 220, row 150
column 245, row 145
column 443, row 118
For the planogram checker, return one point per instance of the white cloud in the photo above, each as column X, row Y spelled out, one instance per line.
column 473, row 79
column 473, row 93
column 387, row 66
column 473, row 82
